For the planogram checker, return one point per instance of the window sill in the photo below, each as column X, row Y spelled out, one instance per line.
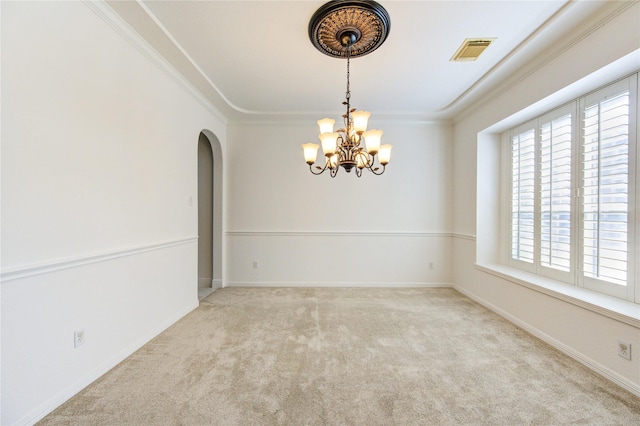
column 617, row 309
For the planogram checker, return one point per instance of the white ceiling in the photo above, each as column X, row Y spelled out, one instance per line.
column 254, row 58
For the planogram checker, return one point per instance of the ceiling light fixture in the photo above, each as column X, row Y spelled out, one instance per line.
column 346, row 29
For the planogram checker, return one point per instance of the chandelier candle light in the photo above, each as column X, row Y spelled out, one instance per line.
column 349, row 29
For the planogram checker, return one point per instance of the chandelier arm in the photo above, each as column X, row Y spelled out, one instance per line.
column 359, row 152
column 370, row 160
column 340, row 151
column 372, row 170
column 321, row 171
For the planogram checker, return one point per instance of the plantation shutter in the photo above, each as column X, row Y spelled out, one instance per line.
column 523, row 195
column 605, row 170
column 575, row 192
column 555, row 193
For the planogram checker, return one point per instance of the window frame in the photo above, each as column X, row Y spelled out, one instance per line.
column 627, row 291
column 575, row 276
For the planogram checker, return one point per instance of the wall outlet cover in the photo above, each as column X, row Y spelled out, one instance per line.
column 78, row 338
column 624, row 349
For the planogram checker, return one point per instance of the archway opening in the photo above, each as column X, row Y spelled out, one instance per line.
column 209, row 214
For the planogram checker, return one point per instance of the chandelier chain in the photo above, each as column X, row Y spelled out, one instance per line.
column 348, row 94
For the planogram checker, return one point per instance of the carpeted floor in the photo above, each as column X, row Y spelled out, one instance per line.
column 283, row 356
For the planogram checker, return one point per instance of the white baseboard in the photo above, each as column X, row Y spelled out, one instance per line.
column 567, row 350
column 64, row 395
column 209, row 283
column 332, row 284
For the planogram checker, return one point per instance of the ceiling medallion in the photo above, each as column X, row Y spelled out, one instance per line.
column 361, row 26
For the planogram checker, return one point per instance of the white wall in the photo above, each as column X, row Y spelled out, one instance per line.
column 99, row 146
column 313, row 230
column 584, row 334
column 99, row 163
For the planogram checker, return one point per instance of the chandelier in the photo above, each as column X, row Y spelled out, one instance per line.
column 346, row 29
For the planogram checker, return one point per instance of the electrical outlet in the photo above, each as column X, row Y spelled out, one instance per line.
column 431, row 265
column 624, row 349
column 255, row 264
column 78, row 338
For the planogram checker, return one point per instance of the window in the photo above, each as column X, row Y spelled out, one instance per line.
column 555, row 193
column 522, row 195
column 573, row 191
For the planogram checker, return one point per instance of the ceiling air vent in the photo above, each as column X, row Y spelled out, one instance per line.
column 471, row 48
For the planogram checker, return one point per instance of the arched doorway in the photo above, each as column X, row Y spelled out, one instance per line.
column 209, row 214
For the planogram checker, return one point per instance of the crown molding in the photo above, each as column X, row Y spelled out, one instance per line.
column 175, row 60
column 111, row 17
column 475, row 97
column 309, row 119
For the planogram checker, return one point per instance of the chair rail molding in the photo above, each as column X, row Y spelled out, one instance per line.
column 19, row 272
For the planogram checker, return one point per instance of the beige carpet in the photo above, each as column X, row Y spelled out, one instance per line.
column 347, row 357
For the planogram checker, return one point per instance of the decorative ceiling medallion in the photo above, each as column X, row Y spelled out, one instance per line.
column 361, row 26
